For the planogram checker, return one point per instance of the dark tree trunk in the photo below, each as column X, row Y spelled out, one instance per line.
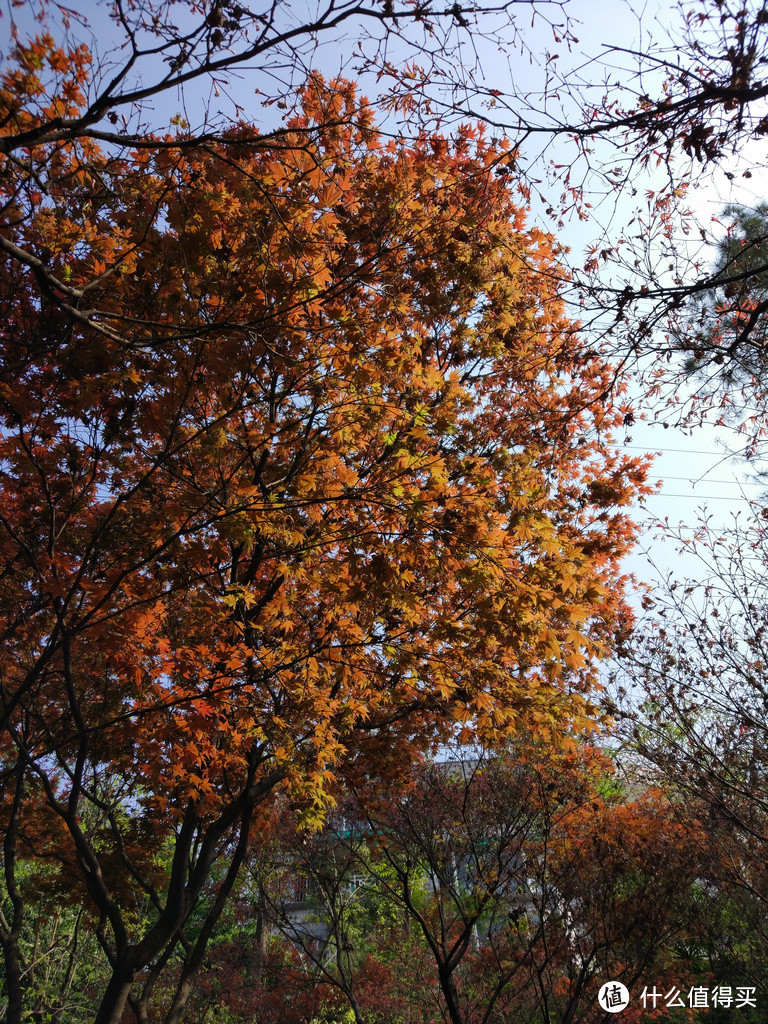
column 12, row 980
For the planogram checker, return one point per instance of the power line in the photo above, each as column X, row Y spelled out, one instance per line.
column 714, row 480
column 696, row 497
column 650, row 449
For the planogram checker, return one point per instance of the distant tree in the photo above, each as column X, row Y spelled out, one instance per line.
column 728, row 321
column 527, row 879
column 700, row 660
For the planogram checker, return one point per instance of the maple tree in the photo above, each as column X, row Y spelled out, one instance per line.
column 303, row 468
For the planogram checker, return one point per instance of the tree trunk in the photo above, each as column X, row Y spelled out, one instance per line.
column 180, row 998
column 12, row 980
column 258, row 955
column 448, row 986
column 9, row 935
column 115, row 998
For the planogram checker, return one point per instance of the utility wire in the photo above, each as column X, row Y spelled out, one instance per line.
column 694, row 497
column 650, row 449
column 713, row 480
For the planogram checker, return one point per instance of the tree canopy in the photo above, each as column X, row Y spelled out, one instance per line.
column 304, row 468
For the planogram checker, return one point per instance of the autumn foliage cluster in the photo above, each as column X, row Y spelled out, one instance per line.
column 303, row 470
column 503, row 889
